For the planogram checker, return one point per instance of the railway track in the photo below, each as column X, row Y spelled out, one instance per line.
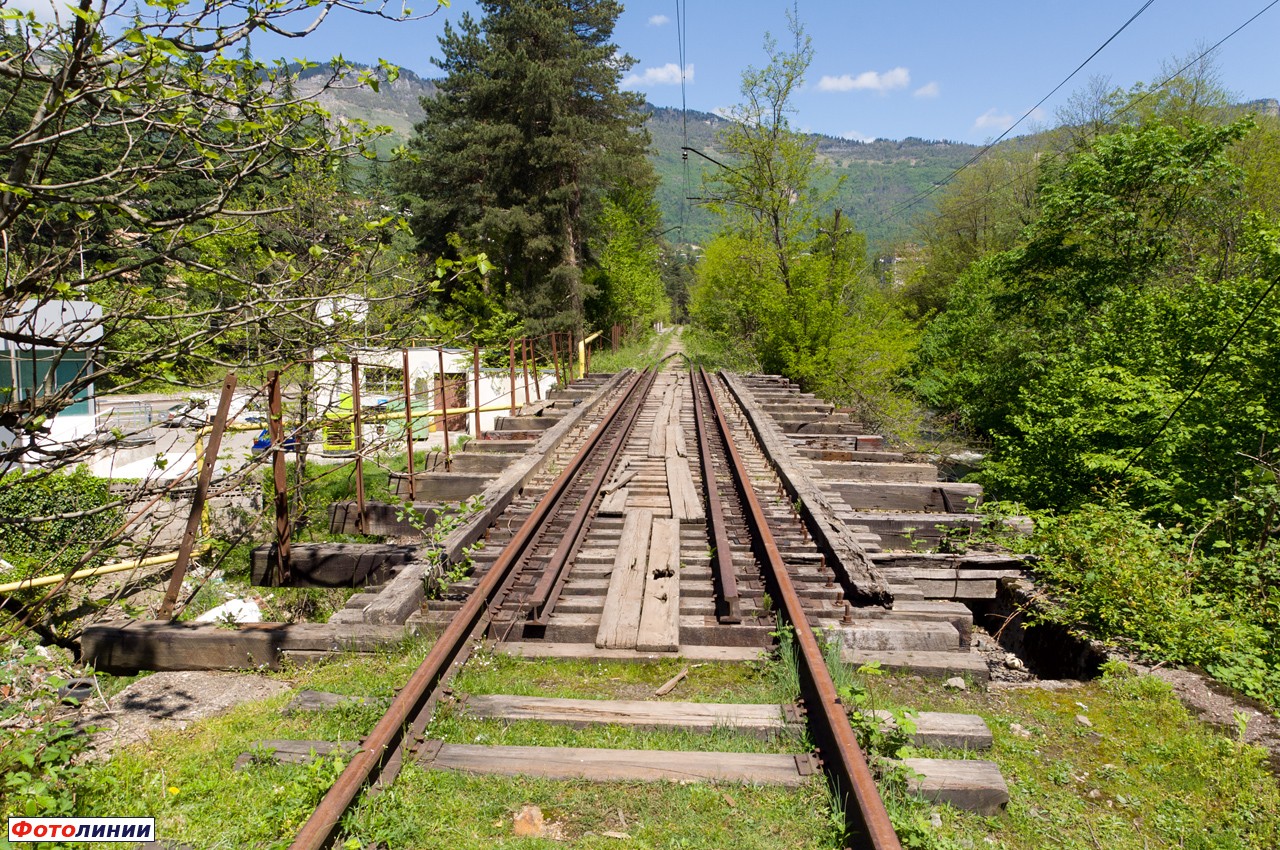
column 663, row 527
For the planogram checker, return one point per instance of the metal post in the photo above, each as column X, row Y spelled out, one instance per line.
column 408, row 421
column 533, row 359
column 555, row 357
column 511, row 358
column 207, row 464
column 444, row 408
column 475, row 357
column 588, row 359
column 524, row 365
column 357, row 438
column 275, row 421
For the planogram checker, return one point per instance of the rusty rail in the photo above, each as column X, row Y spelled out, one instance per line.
column 846, row 767
column 543, row 598
column 388, row 735
column 726, row 576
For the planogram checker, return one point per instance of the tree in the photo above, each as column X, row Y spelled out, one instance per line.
column 150, row 166
column 780, row 288
column 527, row 137
column 133, row 139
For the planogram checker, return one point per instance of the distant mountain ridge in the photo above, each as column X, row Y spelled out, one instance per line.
column 878, row 175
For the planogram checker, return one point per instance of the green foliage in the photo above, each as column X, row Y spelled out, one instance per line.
column 528, row 137
column 781, row 289
column 1196, row 599
column 1070, row 349
column 38, row 755
column 54, row 522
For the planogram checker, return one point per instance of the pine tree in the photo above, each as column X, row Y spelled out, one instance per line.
column 527, row 135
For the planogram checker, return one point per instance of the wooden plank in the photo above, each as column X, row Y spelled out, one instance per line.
column 323, row 701
column 614, row 504
column 660, row 615
column 617, row 765
column 649, row 714
column 972, row 785
column 293, row 752
column 860, row 471
column 620, row 619
column 331, row 564
column 541, row 649
column 907, row 496
column 863, row 581
column 686, row 506
column 658, row 431
column 675, row 440
column 944, row 729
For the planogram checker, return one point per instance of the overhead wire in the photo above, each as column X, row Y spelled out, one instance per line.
column 681, row 29
column 921, row 196
column 1150, row 92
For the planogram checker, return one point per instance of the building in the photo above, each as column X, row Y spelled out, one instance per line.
column 46, row 346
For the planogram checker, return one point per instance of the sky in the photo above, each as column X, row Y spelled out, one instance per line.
column 934, row 69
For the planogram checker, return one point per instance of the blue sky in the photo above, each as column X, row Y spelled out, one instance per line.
column 890, row 68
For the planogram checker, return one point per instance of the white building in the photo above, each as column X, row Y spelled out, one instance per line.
column 46, row 345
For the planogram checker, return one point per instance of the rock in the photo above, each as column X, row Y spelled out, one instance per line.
column 235, row 611
column 935, row 820
column 955, row 683
column 1013, row 662
column 529, row 823
column 1019, row 730
column 1094, row 794
column 1083, row 721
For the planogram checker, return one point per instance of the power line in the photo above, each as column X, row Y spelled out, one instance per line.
column 681, row 31
column 973, row 159
column 1203, row 375
column 1119, row 112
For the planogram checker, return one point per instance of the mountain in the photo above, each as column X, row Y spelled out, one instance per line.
column 878, row 176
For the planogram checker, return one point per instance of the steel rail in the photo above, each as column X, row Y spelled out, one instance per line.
column 377, row 748
column 843, row 760
column 542, row 599
column 726, row 576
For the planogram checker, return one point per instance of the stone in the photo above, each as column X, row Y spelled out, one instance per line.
column 1013, row 662
column 1094, row 794
column 935, row 820
column 1083, row 721
column 955, row 683
column 1019, row 730
column 529, row 823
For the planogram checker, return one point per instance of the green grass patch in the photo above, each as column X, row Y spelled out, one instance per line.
column 437, row 809
column 454, row 726
column 1144, row 774
column 759, row 682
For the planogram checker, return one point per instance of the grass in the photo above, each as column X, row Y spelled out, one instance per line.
column 447, row 810
column 637, row 353
column 185, row 778
column 761, row 682
column 1145, row 774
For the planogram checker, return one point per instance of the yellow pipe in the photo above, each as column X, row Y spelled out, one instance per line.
column 582, row 354
column 120, row 567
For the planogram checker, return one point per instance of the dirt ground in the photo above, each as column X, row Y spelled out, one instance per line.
column 169, row 701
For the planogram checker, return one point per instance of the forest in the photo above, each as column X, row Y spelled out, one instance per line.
column 1092, row 307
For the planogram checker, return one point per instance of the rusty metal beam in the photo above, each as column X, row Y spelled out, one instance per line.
column 726, row 575
column 846, row 766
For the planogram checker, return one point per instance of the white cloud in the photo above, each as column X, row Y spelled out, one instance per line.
column 869, row 80
column 664, row 75
column 1038, row 115
column 659, row 20
column 928, row 90
column 855, row 136
column 993, row 119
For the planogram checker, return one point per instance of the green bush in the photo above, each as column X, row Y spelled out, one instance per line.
column 1163, row 592
column 63, row 541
